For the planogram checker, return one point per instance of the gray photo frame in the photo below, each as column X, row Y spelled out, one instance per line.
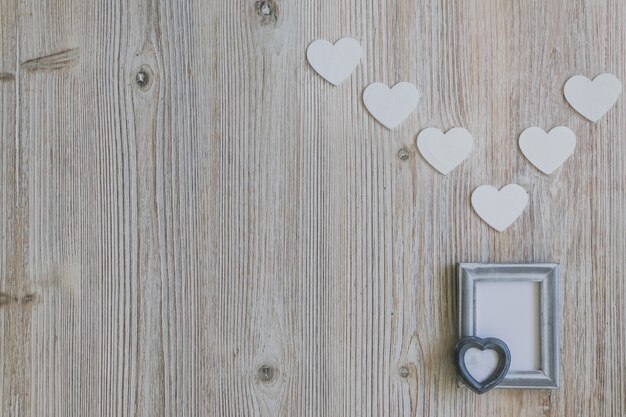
column 547, row 275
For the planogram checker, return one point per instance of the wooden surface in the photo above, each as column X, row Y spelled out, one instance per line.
column 240, row 238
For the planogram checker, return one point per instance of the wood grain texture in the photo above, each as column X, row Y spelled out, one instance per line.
column 240, row 238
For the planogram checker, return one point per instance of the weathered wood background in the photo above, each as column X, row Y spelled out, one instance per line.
column 240, row 238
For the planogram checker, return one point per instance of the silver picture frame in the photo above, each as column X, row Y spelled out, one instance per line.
column 547, row 275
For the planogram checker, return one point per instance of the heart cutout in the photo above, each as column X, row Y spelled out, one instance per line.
column 469, row 343
column 594, row 98
column 334, row 63
column 445, row 151
column 547, row 151
column 390, row 106
column 499, row 209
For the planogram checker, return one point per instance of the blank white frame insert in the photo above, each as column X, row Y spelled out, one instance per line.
column 519, row 304
column 510, row 310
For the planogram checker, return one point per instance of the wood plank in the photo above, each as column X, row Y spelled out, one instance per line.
column 237, row 237
column 14, row 310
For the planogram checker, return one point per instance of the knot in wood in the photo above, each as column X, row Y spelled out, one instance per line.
column 403, row 371
column 142, row 78
column 268, row 10
column 266, row 373
column 29, row 298
column 5, row 299
column 403, row 154
column 264, row 8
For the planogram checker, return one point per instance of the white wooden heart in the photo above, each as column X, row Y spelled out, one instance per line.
column 390, row 106
column 444, row 151
column 481, row 364
column 547, row 151
column 335, row 62
column 594, row 98
column 499, row 209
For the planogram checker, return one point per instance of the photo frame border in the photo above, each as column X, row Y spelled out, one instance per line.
column 547, row 275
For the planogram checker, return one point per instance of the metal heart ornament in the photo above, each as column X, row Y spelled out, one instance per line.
column 466, row 344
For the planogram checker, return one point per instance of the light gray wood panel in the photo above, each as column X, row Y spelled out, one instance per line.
column 240, row 238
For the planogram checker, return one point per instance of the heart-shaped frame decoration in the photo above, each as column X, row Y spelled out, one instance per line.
column 491, row 343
